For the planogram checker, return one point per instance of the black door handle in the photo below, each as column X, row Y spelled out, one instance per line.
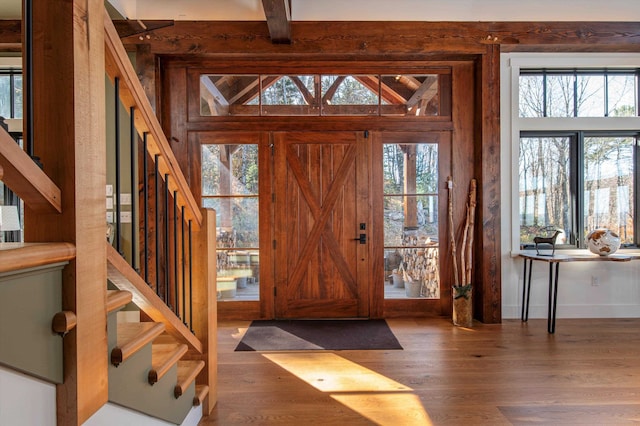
column 362, row 238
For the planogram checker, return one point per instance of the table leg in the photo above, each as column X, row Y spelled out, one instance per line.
column 526, row 290
column 553, row 297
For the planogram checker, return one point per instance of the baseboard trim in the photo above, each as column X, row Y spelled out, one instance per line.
column 574, row 311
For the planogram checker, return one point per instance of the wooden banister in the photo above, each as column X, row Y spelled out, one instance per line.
column 16, row 256
column 117, row 64
column 26, row 179
column 124, row 277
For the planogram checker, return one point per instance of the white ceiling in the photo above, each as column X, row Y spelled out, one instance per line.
column 389, row 10
column 373, row 10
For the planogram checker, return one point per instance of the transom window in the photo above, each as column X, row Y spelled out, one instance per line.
column 322, row 94
column 585, row 178
column 578, row 93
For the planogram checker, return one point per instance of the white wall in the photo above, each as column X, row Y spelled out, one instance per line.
column 112, row 414
column 25, row 401
column 617, row 294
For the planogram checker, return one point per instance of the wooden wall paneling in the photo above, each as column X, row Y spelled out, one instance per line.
column 150, row 238
column 487, row 263
column 173, row 125
column 375, row 235
column 146, row 70
column 195, row 160
column 363, row 215
column 193, row 98
column 143, row 236
column 462, row 156
column 69, row 41
column 267, row 252
column 445, row 152
column 279, row 220
column 445, row 94
column 243, row 310
column 174, row 115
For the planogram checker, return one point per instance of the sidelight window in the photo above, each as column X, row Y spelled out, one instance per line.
column 230, row 186
column 411, row 248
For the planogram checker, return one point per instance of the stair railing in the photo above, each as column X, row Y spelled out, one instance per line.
column 168, row 214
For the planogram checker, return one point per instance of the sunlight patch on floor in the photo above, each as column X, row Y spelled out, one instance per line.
column 240, row 334
column 372, row 395
column 329, row 372
column 387, row 408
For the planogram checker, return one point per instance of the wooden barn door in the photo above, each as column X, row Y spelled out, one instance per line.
column 321, row 211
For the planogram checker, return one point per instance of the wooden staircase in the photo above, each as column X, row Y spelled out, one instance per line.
column 147, row 371
column 154, row 364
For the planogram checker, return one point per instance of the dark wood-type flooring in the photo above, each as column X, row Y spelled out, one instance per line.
column 588, row 373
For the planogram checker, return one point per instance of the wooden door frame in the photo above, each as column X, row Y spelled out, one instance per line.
column 473, row 121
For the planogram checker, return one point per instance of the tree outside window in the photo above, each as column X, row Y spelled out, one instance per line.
column 579, row 180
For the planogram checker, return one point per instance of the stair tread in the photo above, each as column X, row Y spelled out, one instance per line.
column 201, row 393
column 117, row 299
column 164, row 356
column 133, row 336
column 187, row 372
column 165, row 338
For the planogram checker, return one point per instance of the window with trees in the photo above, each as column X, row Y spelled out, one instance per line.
column 411, row 250
column 324, row 95
column 587, row 177
column 230, row 186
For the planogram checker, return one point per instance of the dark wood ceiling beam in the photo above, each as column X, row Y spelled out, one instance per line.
column 127, row 27
column 10, row 36
column 278, row 13
column 389, row 40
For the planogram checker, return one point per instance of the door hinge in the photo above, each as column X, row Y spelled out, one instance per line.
column 366, row 134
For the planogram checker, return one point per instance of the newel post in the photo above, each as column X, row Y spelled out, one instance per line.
column 69, row 138
column 205, row 312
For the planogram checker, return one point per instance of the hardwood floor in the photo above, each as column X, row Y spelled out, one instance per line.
column 587, row 373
